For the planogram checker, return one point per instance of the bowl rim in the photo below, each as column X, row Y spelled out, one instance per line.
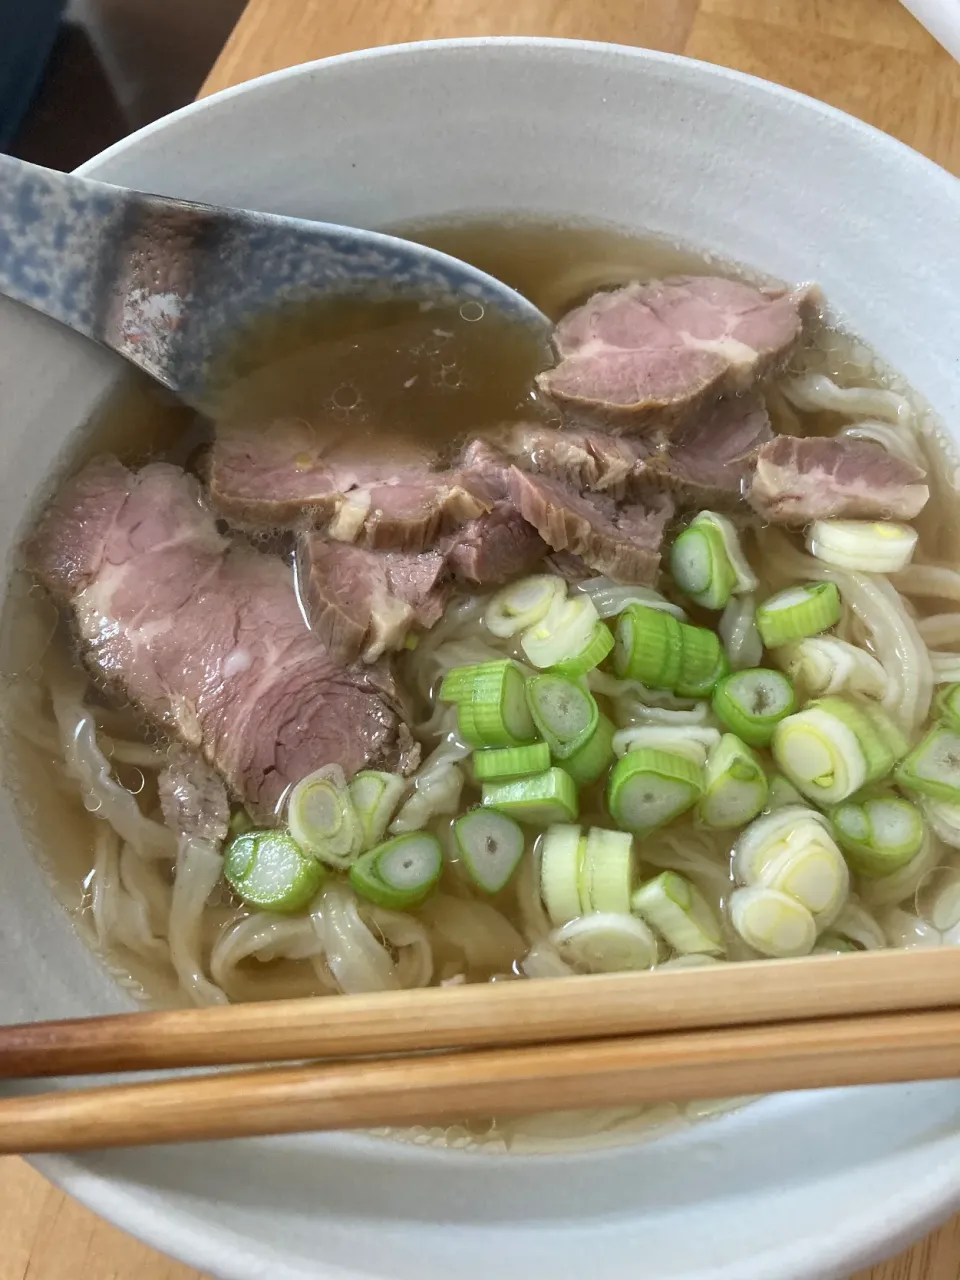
column 872, row 1235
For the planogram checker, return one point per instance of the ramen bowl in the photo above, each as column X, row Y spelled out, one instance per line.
column 801, row 1185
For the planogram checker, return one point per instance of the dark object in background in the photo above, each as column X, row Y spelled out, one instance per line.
column 28, row 29
column 114, row 66
column 74, row 113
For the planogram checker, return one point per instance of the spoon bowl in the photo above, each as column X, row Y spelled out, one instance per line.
column 169, row 284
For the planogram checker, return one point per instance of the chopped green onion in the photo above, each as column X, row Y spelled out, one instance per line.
column 662, row 653
column 523, row 603
column 746, row 579
column 946, row 706
column 648, row 647
column 679, row 913
column 491, row 706
column 834, row 747
column 820, row 755
column 562, row 634
column 606, row 943
column 815, row 875
column 400, row 873
column 933, row 767
column 561, row 855
column 879, row 834
column 457, row 684
column 490, row 845
column 598, row 646
column 702, row 662
column 268, row 869
column 752, row 703
column 773, row 834
column 607, row 870
column 649, row 788
column 592, row 759
column 548, row 797
column 870, row 546
column 772, row 922
column 700, row 566
column 322, row 818
column 825, row 664
column 735, row 789
column 375, row 797
column 798, row 612
column 708, row 564
column 793, row 852
column 883, row 741
column 497, row 763
column 565, row 713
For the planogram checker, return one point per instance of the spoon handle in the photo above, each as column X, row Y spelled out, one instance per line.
column 55, row 230
column 115, row 265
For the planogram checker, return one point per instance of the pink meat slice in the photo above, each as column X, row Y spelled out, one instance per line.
column 207, row 638
column 650, row 355
column 622, row 542
column 798, row 479
column 362, row 603
column 709, row 462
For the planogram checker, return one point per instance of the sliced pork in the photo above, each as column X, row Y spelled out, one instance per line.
column 591, row 460
column 206, row 638
column 500, row 544
column 622, row 542
column 412, row 516
column 286, row 475
column 274, row 476
column 710, row 461
column 650, row 355
column 496, row 547
column 798, row 479
column 361, row 603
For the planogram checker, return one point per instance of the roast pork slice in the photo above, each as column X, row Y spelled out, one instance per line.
column 413, row 516
column 362, row 603
column 593, row 460
column 207, row 638
column 710, row 461
column 650, row 355
column 798, row 479
column 622, row 542
column 284, row 474
column 496, row 547
column 484, row 471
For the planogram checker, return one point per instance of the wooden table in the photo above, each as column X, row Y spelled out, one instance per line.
column 868, row 57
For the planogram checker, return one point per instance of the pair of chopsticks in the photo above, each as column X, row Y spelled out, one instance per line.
column 473, row 1052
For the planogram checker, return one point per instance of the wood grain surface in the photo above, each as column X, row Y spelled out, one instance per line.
column 868, row 57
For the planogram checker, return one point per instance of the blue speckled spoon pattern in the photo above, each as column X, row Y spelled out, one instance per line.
column 167, row 283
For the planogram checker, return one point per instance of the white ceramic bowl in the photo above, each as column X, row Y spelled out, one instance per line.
column 797, row 1186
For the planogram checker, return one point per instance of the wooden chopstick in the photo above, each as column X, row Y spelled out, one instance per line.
column 511, row 1013
column 431, row 1089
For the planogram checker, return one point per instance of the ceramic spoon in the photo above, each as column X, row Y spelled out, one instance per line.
column 166, row 282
